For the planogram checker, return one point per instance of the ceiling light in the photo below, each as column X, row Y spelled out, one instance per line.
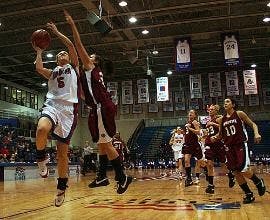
column 268, row 4
column 19, row 90
column 155, row 52
column 5, row 87
column 253, row 65
column 132, row 19
column 266, row 19
column 145, row 31
column 123, row 3
column 44, row 84
column 49, row 55
column 169, row 72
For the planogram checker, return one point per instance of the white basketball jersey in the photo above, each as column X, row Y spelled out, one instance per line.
column 230, row 48
column 177, row 138
column 183, row 52
column 63, row 84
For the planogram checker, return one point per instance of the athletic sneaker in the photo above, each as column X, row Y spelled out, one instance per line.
column 123, row 185
column 99, row 181
column 43, row 169
column 249, row 198
column 261, row 187
column 197, row 181
column 210, row 189
column 188, row 182
column 231, row 182
column 60, row 198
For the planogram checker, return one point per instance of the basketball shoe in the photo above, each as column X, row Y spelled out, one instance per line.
column 99, row 181
column 210, row 189
column 123, row 185
column 249, row 198
column 61, row 189
column 43, row 169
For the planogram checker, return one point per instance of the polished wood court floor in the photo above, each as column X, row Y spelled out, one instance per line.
column 154, row 194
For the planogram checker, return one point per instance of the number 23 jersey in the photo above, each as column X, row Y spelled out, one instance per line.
column 233, row 130
column 63, row 84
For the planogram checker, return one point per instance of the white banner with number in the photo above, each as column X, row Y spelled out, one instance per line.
column 214, row 84
column 162, row 89
column 195, row 86
column 112, row 88
column 143, row 93
column 127, row 96
column 232, row 83
column 250, row 82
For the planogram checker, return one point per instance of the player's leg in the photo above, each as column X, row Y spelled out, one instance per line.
column 43, row 128
column 62, row 166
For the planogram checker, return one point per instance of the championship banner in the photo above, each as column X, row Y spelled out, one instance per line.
column 162, row 89
column 153, row 105
column 253, row 100
column 179, row 100
column 127, row 96
column 124, row 109
column 183, row 54
column 214, row 84
column 143, row 93
column 232, row 83
column 194, row 104
column 206, row 99
column 112, row 88
column 195, row 86
column 230, row 42
column 240, row 98
column 250, row 82
column 137, row 108
column 266, row 94
column 168, row 105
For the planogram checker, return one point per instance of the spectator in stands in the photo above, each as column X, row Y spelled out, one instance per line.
column 5, row 152
column 87, row 158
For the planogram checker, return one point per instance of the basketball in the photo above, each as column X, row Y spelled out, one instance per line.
column 41, row 38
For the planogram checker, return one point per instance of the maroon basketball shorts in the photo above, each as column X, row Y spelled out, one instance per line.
column 101, row 123
column 237, row 157
column 215, row 151
column 194, row 149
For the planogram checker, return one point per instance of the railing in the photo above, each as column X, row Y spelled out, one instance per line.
column 165, row 122
column 136, row 133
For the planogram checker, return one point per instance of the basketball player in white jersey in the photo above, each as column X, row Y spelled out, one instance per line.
column 183, row 52
column 176, row 142
column 59, row 113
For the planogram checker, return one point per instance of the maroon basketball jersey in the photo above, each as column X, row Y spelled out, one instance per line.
column 233, row 130
column 212, row 130
column 93, row 86
column 190, row 138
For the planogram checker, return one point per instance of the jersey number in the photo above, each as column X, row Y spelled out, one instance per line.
column 61, row 83
column 230, row 130
column 211, row 130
